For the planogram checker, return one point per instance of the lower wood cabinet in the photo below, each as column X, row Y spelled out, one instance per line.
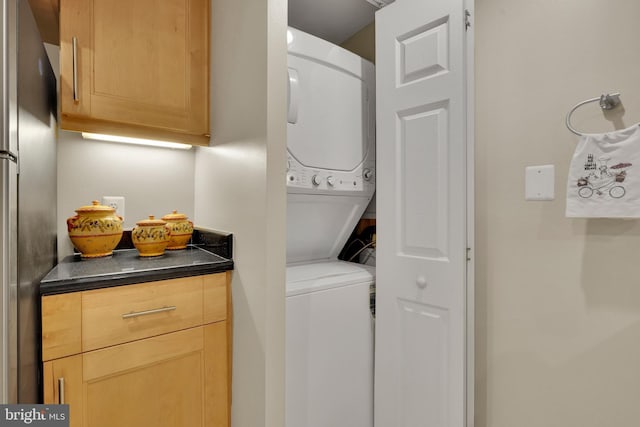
column 175, row 379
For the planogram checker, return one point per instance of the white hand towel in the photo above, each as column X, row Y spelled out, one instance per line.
column 604, row 176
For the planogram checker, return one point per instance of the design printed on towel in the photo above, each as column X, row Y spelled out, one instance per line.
column 601, row 179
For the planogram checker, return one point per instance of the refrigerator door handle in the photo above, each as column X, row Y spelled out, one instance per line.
column 8, row 155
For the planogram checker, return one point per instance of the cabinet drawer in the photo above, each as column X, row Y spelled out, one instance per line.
column 127, row 313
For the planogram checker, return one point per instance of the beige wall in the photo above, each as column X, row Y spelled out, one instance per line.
column 363, row 42
column 240, row 187
column 558, row 300
column 153, row 181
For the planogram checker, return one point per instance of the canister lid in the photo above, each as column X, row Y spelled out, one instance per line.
column 175, row 216
column 95, row 207
column 152, row 221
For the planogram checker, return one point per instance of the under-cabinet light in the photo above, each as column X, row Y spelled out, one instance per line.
column 139, row 141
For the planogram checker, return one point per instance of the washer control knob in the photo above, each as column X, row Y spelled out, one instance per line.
column 331, row 181
column 315, row 180
column 367, row 174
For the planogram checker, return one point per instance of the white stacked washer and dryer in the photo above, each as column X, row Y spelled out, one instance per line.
column 330, row 181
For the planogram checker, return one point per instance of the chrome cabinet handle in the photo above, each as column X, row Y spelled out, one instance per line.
column 144, row 313
column 61, row 391
column 74, row 42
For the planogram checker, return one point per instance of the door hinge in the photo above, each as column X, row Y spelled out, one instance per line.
column 467, row 19
column 468, row 254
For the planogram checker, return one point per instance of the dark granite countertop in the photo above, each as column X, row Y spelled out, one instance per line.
column 125, row 267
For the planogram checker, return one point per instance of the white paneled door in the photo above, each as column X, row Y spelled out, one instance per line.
column 421, row 327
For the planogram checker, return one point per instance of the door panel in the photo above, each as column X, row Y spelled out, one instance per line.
column 423, row 52
column 174, row 395
column 424, row 363
column 163, row 54
column 421, row 174
column 421, row 214
column 167, row 369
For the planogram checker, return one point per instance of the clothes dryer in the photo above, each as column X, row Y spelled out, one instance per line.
column 330, row 146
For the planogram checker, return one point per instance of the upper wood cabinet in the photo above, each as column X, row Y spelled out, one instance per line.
column 136, row 68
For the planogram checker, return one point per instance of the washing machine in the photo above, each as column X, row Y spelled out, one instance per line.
column 330, row 182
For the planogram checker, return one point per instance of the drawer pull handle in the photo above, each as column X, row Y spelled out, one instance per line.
column 61, row 391
column 144, row 313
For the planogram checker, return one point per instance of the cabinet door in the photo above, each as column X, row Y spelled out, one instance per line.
column 157, row 381
column 173, row 380
column 63, row 384
column 142, row 63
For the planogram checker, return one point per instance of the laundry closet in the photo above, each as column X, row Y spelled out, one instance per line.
column 314, row 193
column 420, row 354
column 330, row 182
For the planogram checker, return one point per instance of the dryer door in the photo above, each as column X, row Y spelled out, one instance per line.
column 330, row 114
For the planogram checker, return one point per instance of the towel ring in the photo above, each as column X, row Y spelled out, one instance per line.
column 608, row 101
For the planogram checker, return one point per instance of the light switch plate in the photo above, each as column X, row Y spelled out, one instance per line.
column 540, row 182
column 116, row 202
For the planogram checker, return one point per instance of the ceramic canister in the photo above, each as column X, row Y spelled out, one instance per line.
column 95, row 231
column 151, row 236
column 181, row 230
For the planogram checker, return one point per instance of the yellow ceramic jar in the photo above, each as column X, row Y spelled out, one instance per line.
column 151, row 236
column 181, row 230
column 95, row 231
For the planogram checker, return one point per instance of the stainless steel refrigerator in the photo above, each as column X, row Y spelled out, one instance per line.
column 27, row 197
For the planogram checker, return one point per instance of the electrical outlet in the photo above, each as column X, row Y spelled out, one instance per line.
column 116, row 202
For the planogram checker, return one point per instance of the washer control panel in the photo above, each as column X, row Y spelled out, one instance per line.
column 303, row 177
